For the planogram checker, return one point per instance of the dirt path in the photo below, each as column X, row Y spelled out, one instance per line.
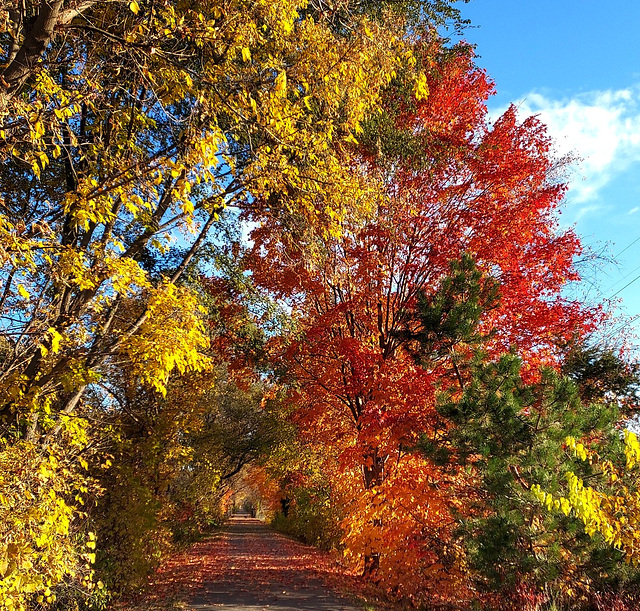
column 249, row 567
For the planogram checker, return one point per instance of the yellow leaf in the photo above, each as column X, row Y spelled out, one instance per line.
column 135, row 7
column 55, row 340
column 246, row 54
column 281, row 82
column 23, row 292
column 421, row 88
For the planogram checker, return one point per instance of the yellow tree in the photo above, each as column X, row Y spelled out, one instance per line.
column 138, row 122
column 608, row 507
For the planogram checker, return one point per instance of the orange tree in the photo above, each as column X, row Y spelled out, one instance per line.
column 456, row 188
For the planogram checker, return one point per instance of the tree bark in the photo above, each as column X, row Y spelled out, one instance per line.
column 37, row 34
column 37, row 37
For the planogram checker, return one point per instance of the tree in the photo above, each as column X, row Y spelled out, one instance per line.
column 510, row 437
column 457, row 189
column 173, row 459
column 108, row 154
column 602, row 374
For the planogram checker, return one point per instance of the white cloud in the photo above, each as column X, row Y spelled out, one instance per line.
column 633, row 210
column 601, row 128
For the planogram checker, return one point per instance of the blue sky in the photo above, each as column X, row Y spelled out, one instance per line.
column 576, row 64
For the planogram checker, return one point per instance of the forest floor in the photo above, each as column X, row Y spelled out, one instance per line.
column 249, row 567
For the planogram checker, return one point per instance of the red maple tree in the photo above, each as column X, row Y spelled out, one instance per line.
column 456, row 186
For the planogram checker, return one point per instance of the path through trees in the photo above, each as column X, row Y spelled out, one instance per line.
column 249, row 566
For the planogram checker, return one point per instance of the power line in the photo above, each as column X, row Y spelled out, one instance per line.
column 625, row 286
column 627, row 247
column 635, row 269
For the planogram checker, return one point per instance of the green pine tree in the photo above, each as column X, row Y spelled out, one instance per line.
column 508, row 435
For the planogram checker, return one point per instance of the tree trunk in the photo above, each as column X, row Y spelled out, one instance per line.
column 373, row 473
column 36, row 40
